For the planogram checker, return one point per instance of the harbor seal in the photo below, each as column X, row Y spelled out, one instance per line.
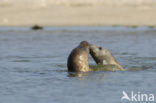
column 103, row 56
column 78, row 58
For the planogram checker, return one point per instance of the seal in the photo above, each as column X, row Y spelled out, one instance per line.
column 103, row 56
column 78, row 58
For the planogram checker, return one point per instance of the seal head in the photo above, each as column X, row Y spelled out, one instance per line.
column 103, row 56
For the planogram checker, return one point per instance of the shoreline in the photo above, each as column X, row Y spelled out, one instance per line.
column 90, row 26
column 131, row 26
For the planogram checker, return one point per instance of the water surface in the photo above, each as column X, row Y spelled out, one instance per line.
column 33, row 64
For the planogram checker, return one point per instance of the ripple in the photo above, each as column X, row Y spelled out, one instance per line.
column 61, row 65
column 22, row 60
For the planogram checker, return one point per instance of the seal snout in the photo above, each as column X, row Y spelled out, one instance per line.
column 93, row 49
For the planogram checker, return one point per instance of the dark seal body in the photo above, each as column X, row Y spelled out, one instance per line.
column 78, row 58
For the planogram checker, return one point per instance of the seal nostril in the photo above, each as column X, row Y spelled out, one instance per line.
column 100, row 48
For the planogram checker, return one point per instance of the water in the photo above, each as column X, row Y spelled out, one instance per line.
column 33, row 64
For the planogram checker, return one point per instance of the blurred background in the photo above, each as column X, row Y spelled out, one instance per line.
column 85, row 2
column 77, row 12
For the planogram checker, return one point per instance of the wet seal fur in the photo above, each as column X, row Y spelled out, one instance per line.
column 78, row 58
column 103, row 56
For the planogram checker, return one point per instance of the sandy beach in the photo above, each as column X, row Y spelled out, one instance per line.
column 77, row 14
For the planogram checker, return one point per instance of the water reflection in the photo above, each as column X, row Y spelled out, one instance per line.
column 83, row 75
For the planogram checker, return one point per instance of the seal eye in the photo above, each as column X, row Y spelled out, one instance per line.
column 100, row 48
